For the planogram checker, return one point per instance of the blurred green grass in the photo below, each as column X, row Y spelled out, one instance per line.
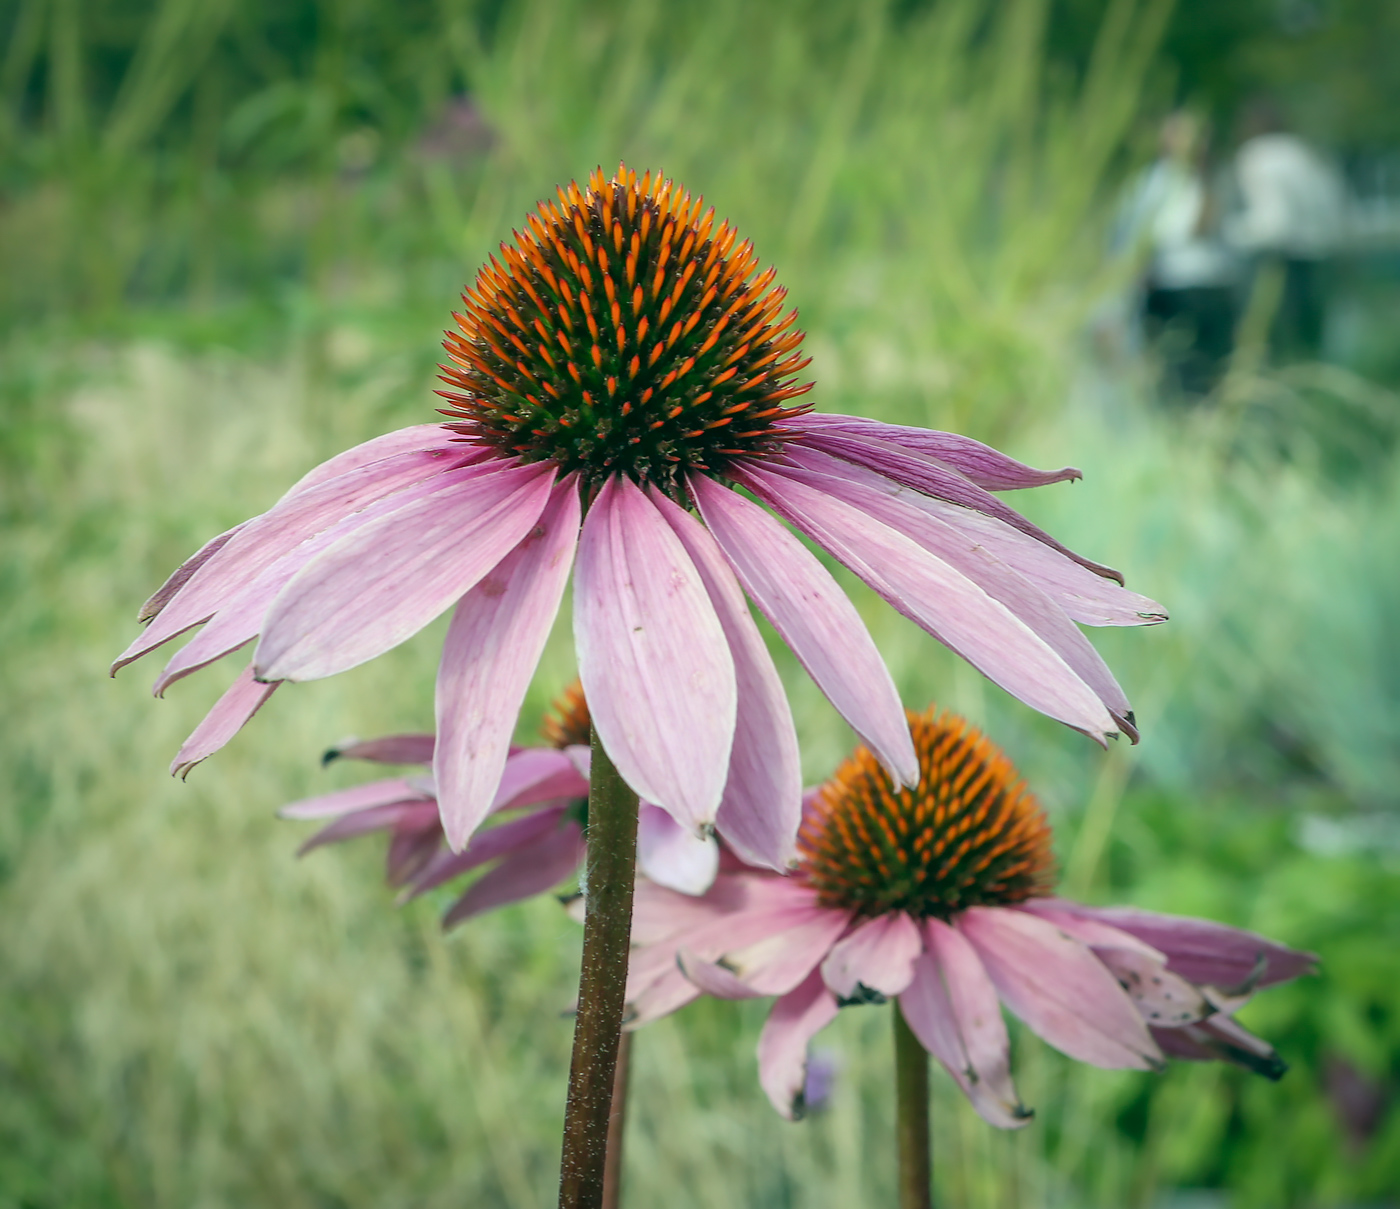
column 203, row 302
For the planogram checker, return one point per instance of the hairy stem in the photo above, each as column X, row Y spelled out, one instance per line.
column 607, row 930
column 911, row 1116
column 617, row 1125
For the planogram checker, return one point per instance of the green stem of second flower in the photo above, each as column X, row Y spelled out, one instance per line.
column 911, row 1116
column 607, row 931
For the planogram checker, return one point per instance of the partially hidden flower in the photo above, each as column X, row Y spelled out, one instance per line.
column 534, row 839
column 616, row 373
column 939, row 896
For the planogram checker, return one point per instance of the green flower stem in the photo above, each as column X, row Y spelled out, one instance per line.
column 607, row 932
column 911, row 1116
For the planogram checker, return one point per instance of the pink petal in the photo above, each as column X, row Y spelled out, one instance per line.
column 493, row 646
column 659, row 996
column 417, row 437
column 782, row 1046
column 653, row 658
column 362, row 822
column 713, row 978
column 1221, row 1039
column 388, row 579
column 265, row 539
column 181, row 575
column 672, row 856
column 981, row 463
column 492, row 843
column 879, row 954
column 1022, row 597
column 1092, row 932
column 389, row 749
column 1201, row 951
column 1163, row 999
column 526, row 872
column 230, row 713
column 1059, row 988
column 955, row 610
column 538, row 774
column 777, row 963
column 762, row 805
column 951, row 1006
column 348, row 801
column 815, row 618
column 659, row 912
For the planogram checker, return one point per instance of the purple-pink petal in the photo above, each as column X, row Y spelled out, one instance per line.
column 815, row 618
column 539, row 774
column 415, row 438
column 879, row 954
column 782, row 1046
column 492, row 843
column 526, row 872
column 373, row 818
column 985, row 466
column 1220, row 1038
column 230, row 714
column 388, row 749
column 762, row 804
column 356, row 798
column 777, row 963
column 388, row 579
column 713, row 978
column 652, row 656
column 941, row 599
column 181, row 575
column 1058, row 987
column 493, row 646
column 951, row 1006
column 673, row 856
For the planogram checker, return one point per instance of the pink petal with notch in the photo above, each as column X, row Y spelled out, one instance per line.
column 879, row 954
column 782, row 1046
column 230, row 714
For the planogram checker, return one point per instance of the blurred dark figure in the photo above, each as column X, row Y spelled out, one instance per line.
column 1190, row 279
column 1291, row 208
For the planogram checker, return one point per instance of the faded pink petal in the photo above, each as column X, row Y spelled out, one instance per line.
column 672, row 856
column 230, row 713
column 879, row 954
column 1059, row 988
column 815, row 618
column 652, row 655
column 985, row 466
column 762, row 804
column 782, row 1046
column 181, row 575
column 713, row 978
column 417, row 437
column 659, row 912
column 938, row 597
column 1219, row 1038
column 1163, row 999
column 373, row 818
column 538, row 774
column 777, row 963
column 348, row 801
column 389, row 749
column 493, row 646
column 951, row 1006
column 516, row 835
column 526, row 872
column 387, row 580
column 1202, row 951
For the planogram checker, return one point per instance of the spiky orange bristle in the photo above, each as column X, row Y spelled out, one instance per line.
column 567, row 724
column 971, row 834
column 624, row 333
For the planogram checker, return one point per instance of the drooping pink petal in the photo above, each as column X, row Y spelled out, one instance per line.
column 388, row 749
column 1204, row 952
column 985, row 466
column 815, row 618
column 493, row 646
column 1163, row 999
column 333, row 615
column 1059, row 988
column 538, row 774
column 777, row 963
column 932, row 478
column 266, row 539
column 951, row 1006
column 659, row 912
column 879, row 954
column 180, row 576
column 348, row 801
column 415, row 438
column 957, row 611
column 498, row 841
column 713, row 978
column 671, row 855
column 230, row 714
column 762, row 804
column 652, row 656
column 526, row 872
column 1221, row 1039
column 411, row 846
column 659, row 995
column 362, row 822
column 1093, row 932
column 782, row 1046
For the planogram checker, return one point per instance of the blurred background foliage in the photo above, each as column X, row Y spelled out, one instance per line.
column 229, row 236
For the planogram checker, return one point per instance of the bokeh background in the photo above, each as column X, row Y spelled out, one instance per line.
column 230, row 235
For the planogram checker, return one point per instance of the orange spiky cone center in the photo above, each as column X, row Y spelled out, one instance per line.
column 971, row 834
column 624, row 333
column 568, row 723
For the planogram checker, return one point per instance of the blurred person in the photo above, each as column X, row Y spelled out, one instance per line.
column 1290, row 212
column 1190, row 279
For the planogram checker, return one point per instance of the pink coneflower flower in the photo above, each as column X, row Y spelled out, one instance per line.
column 939, row 896
column 540, row 812
column 622, row 359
